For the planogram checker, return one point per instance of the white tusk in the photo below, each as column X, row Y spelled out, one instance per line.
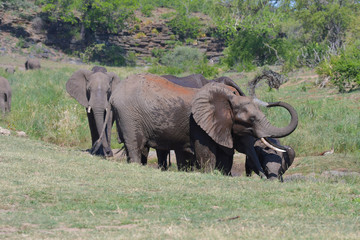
column 261, row 103
column 263, row 140
column 89, row 109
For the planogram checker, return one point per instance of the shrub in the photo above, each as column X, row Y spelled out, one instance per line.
column 105, row 54
column 185, row 27
column 183, row 58
column 344, row 69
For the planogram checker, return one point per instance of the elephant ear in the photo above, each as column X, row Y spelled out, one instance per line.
column 76, row 86
column 212, row 111
column 115, row 80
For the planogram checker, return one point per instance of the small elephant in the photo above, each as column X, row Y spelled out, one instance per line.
column 151, row 111
column 93, row 91
column 5, row 95
column 32, row 63
column 274, row 163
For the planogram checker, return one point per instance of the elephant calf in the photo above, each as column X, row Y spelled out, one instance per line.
column 274, row 163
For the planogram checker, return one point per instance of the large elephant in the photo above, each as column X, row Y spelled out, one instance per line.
column 192, row 81
column 151, row 111
column 32, row 63
column 243, row 144
column 93, row 91
column 5, row 95
column 274, row 162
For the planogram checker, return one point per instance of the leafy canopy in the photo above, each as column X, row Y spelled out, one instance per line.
column 107, row 15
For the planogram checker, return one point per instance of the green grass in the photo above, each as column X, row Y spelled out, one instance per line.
column 51, row 188
column 44, row 110
column 47, row 191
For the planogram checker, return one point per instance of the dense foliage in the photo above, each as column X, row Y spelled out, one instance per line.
column 290, row 33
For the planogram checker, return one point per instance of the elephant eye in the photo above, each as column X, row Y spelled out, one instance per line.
column 234, row 92
column 252, row 119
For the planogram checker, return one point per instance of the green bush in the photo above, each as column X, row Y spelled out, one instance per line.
column 344, row 69
column 146, row 10
column 183, row 58
column 110, row 55
column 185, row 27
column 252, row 48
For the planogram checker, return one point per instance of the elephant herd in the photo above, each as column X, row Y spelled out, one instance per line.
column 5, row 89
column 203, row 121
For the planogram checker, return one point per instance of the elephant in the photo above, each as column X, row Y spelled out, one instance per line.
column 244, row 144
column 274, row 162
column 192, row 81
column 10, row 70
column 32, row 63
column 5, row 95
column 99, row 69
column 93, row 90
column 151, row 111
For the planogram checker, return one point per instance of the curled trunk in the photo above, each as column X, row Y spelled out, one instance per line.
column 268, row 130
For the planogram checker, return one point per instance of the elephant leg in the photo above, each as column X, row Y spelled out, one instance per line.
column 251, row 153
column 204, row 148
column 144, row 155
column 162, row 155
column 248, row 167
column 224, row 161
column 107, row 142
column 183, row 160
column 93, row 129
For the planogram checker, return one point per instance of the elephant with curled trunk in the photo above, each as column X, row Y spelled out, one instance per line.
column 243, row 144
column 274, row 161
column 192, row 81
column 32, row 63
column 5, row 95
column 151, row 111
column 93, row 91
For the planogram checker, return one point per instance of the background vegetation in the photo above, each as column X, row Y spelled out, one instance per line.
column 289, row 33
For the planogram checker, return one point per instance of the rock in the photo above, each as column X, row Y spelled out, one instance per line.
column 4, row 131
column 21, row 134
column 334, row 173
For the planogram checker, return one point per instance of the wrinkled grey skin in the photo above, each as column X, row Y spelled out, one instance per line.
column 274, row 163
column 93, row 90
column 5, row 95
column 156, row 113
column 32, row 63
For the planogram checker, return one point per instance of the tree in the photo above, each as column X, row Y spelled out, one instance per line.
column 96, row 15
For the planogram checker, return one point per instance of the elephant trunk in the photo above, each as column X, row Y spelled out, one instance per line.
column 99, row 114
column 268, row 130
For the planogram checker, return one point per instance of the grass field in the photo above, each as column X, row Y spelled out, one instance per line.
column 51, row 188
column 52, row 192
